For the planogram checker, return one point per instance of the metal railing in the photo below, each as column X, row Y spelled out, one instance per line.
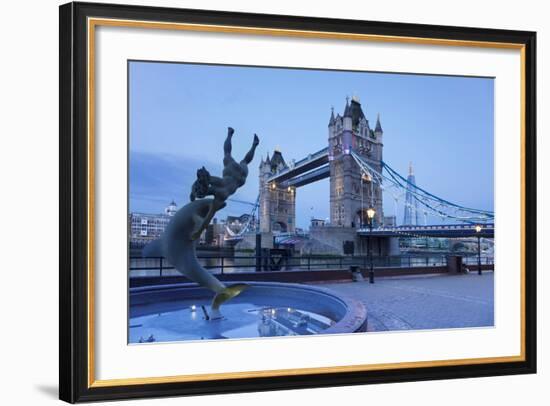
column 159, row 266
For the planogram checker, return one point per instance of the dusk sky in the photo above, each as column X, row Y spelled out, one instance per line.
column 179, row 114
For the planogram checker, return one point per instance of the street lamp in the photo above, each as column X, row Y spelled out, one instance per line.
column 478, row 231
column 370, row 217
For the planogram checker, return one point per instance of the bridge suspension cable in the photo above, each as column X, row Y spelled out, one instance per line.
column 251, row 218
column 254, row 204
column 392, row 182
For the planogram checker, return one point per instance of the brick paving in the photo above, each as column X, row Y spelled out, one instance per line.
column 425, row 302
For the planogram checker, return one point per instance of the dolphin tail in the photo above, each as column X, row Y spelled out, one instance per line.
column 153, row 249
column 226, row 294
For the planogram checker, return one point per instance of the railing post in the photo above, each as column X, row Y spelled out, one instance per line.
column 222, row 264
column 340, row 263
column 258, row 252
column 160, row 268
column 308, row 263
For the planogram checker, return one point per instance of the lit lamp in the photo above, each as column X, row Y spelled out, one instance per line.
column 371, row 212
column 478, row 231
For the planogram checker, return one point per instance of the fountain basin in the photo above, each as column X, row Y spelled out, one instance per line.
column 181, row 312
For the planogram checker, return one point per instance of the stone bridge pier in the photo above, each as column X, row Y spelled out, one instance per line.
column 336, row 237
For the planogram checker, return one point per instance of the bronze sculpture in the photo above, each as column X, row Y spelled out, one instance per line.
column 177, row 244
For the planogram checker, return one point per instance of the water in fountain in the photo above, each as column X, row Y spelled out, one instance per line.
column 186, row 321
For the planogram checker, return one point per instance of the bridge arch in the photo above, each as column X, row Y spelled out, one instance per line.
column 279, row 226
column 361, row 218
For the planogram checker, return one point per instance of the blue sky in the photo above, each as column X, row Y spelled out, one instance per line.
column 179, row 114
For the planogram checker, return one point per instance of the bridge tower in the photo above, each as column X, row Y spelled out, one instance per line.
column 277, row 203
column 350, row 193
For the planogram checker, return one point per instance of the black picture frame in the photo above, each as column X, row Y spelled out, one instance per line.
column 74, row 385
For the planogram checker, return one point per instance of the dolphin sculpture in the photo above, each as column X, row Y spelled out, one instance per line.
column 178, row 247
column 177, row 243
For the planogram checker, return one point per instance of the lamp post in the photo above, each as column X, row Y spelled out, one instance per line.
column 478, row 230
column 370, row 216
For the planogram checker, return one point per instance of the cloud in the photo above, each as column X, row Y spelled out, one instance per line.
column 156, row 179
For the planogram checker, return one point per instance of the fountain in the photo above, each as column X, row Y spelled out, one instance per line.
column 265, row 309
column 259, row 309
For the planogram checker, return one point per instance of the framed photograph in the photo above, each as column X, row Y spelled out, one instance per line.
column 257, row 202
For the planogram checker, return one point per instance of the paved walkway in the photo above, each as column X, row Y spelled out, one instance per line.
column 424, row 302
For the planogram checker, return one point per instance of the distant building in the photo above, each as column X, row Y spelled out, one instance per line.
column 390, row 221
column 146, row 227
column 410, row 217
column 214, row 234
column 317, row 222
column 171, row 209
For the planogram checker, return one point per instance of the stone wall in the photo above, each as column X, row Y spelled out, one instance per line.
column 334, row 237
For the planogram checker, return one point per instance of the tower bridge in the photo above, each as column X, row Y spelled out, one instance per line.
column 359, row 177
column 349, row 187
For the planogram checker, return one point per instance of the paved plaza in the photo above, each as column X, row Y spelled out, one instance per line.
column 424, row 302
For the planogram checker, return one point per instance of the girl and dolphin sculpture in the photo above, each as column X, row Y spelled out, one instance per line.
column 177, row 243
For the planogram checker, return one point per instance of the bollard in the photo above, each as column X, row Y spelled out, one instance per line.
column 356, row 275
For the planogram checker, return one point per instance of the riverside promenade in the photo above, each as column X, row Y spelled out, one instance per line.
column 424, row 302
